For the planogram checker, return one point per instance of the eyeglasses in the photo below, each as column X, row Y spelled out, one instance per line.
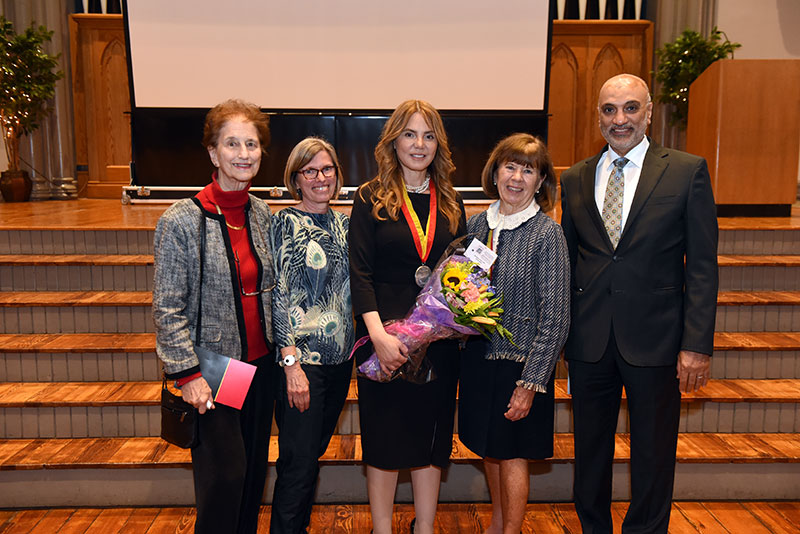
column 241, row 285
column 311, row 173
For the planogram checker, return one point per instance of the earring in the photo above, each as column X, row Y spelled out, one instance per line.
column 537, row 191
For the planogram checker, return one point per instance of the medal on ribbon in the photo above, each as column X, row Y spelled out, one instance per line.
column 423, row 239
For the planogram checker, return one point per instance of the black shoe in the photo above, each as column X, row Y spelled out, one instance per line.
column 412, row 525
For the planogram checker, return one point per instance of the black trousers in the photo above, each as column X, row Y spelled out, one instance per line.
column 653, row 399
column 230, row 463
column 302, row 439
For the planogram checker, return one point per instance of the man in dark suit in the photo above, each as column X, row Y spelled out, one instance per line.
column 641, row 228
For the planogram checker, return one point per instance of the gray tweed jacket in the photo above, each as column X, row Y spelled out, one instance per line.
column 532, row 273
column 177, row 282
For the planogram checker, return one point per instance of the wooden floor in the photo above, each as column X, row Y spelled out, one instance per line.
column 687, row 518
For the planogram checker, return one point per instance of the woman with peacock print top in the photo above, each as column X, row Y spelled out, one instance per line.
column 313, row 327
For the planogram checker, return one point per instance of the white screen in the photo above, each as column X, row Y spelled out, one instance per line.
column 343, row 54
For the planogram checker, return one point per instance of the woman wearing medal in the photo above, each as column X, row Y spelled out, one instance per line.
column 401, row 223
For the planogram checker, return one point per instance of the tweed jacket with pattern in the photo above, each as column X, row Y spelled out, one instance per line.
column 533, row 275
column 177, row 282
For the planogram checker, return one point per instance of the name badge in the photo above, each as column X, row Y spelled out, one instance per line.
column 480, row 254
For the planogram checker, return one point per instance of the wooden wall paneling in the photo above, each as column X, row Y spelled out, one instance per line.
column 599, row 50
column 101, row 85
column 77, row 45
column 564, row 94
column 744, row 122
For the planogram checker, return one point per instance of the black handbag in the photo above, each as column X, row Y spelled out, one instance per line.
column 179, row 419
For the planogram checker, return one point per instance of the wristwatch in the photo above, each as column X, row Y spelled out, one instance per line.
column 288, row 360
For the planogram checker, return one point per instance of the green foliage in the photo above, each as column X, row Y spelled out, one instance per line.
column 27, row 82
column 682, row 61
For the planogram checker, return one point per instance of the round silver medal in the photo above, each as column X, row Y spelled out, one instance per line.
column 422, row 274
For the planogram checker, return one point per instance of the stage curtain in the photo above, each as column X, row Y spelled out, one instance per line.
column 50, row 149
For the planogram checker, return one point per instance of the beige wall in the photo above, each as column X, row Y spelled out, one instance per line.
column 767, row 29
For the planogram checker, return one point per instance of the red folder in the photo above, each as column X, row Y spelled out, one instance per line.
column 228, row 378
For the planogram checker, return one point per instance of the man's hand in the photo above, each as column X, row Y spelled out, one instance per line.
column 693, row 370
column 198, row 394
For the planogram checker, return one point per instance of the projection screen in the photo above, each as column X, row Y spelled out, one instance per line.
column 347, row 60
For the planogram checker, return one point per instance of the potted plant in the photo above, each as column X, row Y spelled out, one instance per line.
column 682, row 61
column 27, row 82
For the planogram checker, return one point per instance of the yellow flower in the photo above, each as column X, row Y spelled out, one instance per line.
column 453, row 277
column 471, row 307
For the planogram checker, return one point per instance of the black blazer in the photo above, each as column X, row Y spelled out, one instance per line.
column 659, row 288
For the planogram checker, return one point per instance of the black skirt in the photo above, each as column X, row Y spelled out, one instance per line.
column 405, row 425
column 485, row 389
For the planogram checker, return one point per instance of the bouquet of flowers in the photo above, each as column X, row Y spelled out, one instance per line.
column 458, row 300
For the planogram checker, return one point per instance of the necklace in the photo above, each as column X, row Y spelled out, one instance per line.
column 420, row 188
column 229, row 225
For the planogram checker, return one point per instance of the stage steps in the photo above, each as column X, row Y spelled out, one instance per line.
column 43, row 410
column 153, row 453
column 77, row 355
column 23, row 312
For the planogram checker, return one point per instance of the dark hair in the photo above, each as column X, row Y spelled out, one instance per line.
column 527, row 150
column 230, row 109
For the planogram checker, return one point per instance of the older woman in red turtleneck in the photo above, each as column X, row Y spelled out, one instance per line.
column 225, row 295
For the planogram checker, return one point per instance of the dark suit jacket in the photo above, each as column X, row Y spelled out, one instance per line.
column 659, row 288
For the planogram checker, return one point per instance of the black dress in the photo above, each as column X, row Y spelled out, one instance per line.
column 403, row 425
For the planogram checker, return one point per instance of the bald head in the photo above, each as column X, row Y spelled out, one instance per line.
column 628, row 81
column 623, row 112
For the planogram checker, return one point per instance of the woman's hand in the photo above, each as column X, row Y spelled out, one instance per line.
column 297, row 387
column 198, row 394
column 391, row 352
column 520, row 404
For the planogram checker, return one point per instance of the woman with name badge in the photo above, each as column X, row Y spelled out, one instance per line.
column 505, row 410
column 401, row 223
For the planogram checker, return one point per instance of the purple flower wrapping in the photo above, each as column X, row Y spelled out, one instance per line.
column 430, row 319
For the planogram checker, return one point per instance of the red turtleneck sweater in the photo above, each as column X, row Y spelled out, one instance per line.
column 231, row 204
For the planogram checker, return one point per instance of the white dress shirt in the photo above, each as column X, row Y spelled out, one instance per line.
column 631, row 171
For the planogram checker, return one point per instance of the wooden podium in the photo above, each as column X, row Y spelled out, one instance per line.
column 744, row 118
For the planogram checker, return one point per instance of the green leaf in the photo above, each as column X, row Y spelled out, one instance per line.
column 682, row 61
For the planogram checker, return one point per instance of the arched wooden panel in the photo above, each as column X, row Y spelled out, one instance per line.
column 607, row 63
column 115, row 93
column 563, row 105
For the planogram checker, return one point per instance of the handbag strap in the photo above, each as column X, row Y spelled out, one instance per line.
column 202, row 261
column 202, row 251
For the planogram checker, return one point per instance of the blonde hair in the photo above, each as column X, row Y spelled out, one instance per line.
column 387, row 186
column 528, row 151
column 301, row 154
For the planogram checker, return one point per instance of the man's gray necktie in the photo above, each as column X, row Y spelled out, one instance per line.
column 612, row 204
